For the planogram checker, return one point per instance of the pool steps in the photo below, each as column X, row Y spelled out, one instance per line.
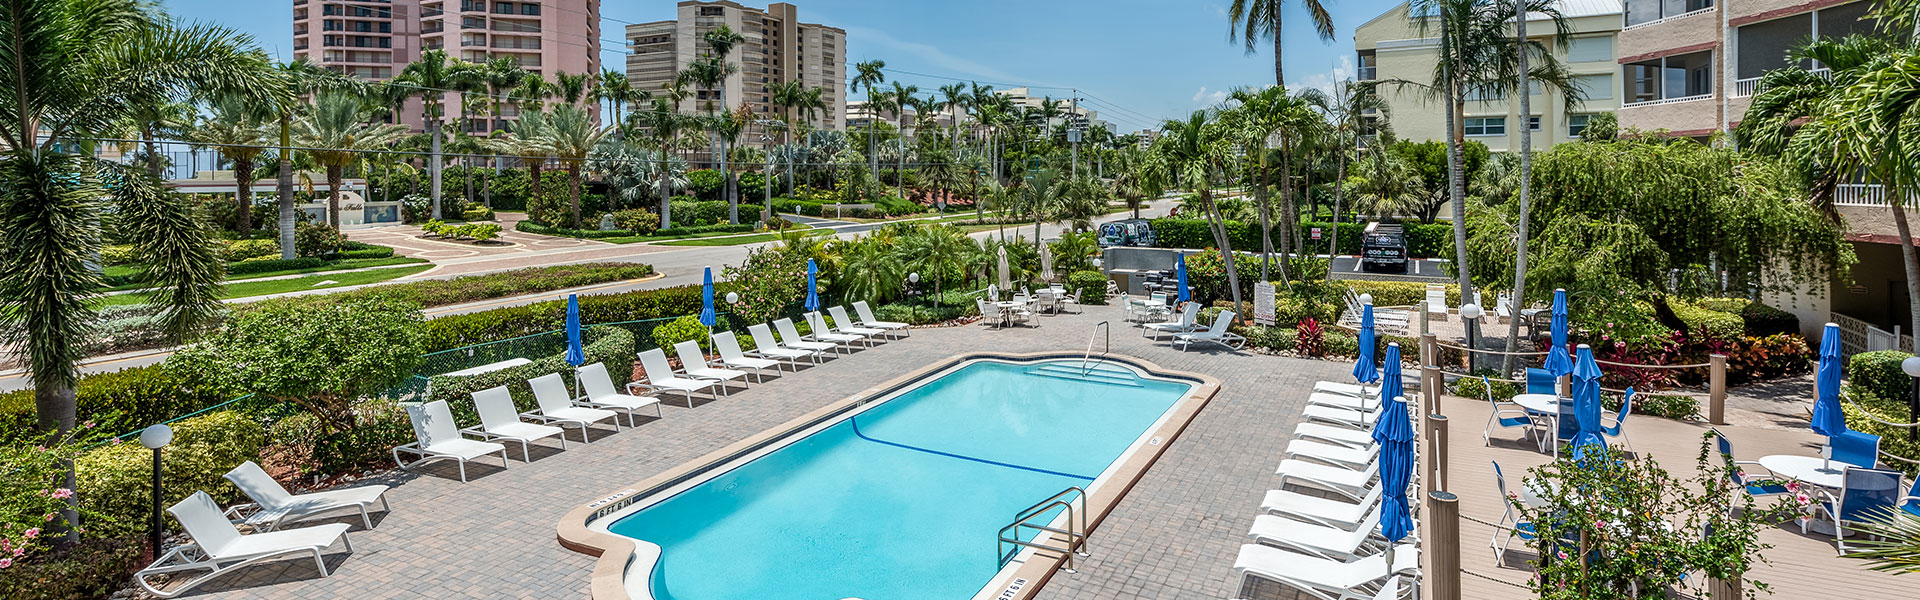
column 1094, row 373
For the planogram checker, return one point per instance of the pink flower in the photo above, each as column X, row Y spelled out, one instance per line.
column 1599, row 524
column 50, row 517
column 1802, row 499
column 1562, row 554
column 5, row 562
column 89, row 425
column 31, row 532
column 1793, row 486
column 63, row 493
column 19, row 552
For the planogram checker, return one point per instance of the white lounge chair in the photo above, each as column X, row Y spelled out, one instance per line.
column 1316, row 509
column 767, row 346
column 272, row 506
column 845, row 324
column 1346, row 482
column 867, row 320
column 218, row 547
column 1344, row 417
column 1369, row 578
column 1184, row 324
column 600, row 393
column 553, row 404
column 693, row 364
column 1341, row 544
column 821, row 332
column 499, row 421
column 660, row 378
column 1346, row 389
column 1343, row 401
column 1436, row 302
column 1216, row 333
column 790, row 336
column 733, row 358
column 1333, row 454
column 437, row 438
column 1338, row 434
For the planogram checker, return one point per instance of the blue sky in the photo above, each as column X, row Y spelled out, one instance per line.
column 1137, row 61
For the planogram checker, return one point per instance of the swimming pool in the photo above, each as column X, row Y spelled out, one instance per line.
column 900, row 496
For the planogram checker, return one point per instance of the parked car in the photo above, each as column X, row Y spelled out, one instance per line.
column 1383, row 247
column 1128, row 232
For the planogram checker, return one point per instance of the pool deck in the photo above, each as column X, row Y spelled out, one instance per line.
column 1173, row 536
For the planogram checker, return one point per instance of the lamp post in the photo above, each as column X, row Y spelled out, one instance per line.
column 155, row 438
column 913, row 289
column 1472, row 313
column 1912, row 367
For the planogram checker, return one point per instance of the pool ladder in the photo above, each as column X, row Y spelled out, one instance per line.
column 1076, row 531
column 1104, row 348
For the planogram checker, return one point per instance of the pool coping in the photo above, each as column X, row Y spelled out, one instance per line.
column 615, row 553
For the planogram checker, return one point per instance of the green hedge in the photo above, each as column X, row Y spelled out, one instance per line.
column 262, row 266
column 611, row 346
column 1091, row 285
column 1424, row 240
column 1763, row 320
column 1879, row 373
column 538, row 229
column 696, row 230
column 116, row 480
column 803, row 207
column 1708, row 325
column 95, row 568
column 1865, row 414
column 116, row 402
column 454, row 331
column 704, row 212
column 492, row 285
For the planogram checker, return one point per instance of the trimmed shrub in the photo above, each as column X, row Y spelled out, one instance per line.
column 803, row 207
column 638, row 221
column 1474, row 388
column 1340, row 343
column 312, row 239
column 538, row 229
column 1763, row 320
column 119, row 254
column 611, row 346
column 705, row 212
column 95, row 568
column 923, row 314
column 1672, row 406
column 683, row 329
column 1091, row 285
column 299, row 442
column 116, row 480
column 370, row 251
column 1865, row 414
column 244, row 249
column 696, row 230
column 1708, row 325
column 491, row 285
column 477, row 213
column 1879, row 373
column 453, row 331
column 262, row 266
column 116, row 402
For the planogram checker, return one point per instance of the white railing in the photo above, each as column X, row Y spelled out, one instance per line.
column 1860, row 336
column 1746, row 87
column 1668, row 19
column 1867, row 194
column 1667, row 101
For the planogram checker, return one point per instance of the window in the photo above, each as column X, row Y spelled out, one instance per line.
column 1533, row 123
column 1590, row 49
column 1577, row 124
column 712, row 11
column 1479, row 94
column 1595, row 87
column 1486, row 125
column 530, row 9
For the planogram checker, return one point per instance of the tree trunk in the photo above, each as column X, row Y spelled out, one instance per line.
column 1266, row 224
column 573, row 191
column 533, row 189
column 1226, row 244
column 1526, row 173
column 1457, row 190
column 55, row 412
column 333, row 196
column 733, row 200
column 243, row 194
column 666, row 208
column 1339, row 195
column 1907, row 255
column 1279, row 74
column 285, row 186
column 433, row 168
column 1290, row 222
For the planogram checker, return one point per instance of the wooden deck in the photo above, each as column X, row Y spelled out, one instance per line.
column 1796, row 566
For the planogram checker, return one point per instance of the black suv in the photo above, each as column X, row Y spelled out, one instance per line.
column 1383, row 246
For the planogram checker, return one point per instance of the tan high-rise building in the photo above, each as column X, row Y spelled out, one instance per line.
column 375, row 39
column 778, row 48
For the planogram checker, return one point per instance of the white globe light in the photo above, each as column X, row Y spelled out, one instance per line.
column 1366, row 298
column 1471, row 312
column 733, row 297
column 1911, row 365
column 154, row 437
column 913, row 277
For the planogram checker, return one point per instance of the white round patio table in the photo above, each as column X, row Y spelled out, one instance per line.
column 1806, row 469
column 1540, row 403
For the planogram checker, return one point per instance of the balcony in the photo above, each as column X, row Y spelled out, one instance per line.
column 1743, row 88
column 1866, row 194
column 1671, row 18
column 1368, row 73
column 434, row 11
column 434, row 27
column 1665, row 101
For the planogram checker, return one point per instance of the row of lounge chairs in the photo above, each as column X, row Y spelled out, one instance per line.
column 1326, row 544
column 1186, row 332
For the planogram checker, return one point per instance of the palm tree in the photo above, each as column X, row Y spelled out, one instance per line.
column 298, row 78
column 903, row 98
column 664, row 124
column 238, row 131
column 533, row 92
column 727, row 129
column 614, row 88
column 954, row 98
column 70, row 65
column 868, row 74
column 1260, row 115
column 1556, row 75
column 336, row 134
column 571, row 134
column 1196, row 150
column 1138, row 176
column 1251, row 20
column 431, row 77
column 938, row 253
column 571, row 87
column 1347, row 109
column 525, row 139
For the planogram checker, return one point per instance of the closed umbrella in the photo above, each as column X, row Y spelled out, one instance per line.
column 1393, row 431
column 1827, row 418
column 1046, row 263
column 1557, row 361
column 706, row 299
column 813, row 286
column 576, row 352
column 1586, row 404
column 1006, row 275
column 1364, row 370
column 1180, row 277
column 1390, row 384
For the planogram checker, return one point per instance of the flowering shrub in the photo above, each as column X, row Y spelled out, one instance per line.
column 1309, row 338
column 32, row 501
column 770, row 281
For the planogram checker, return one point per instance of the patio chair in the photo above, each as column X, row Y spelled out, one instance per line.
column 1436, row 302
column 845, row 324
column 990, row 313
column 219, row 548
column 1184, row 324
column 1216, row 333
column 660, row 377
column 693, row 364
column 1337, row 543
column 767, row 346
column 1346, row 389
column 1911, row 502
column 499, row 421
column 1856, row 448
column 733, row 358
column 1752, row 477
column 601, row 393
column 1505, row 415
column 552, row 404
column 1540, row 381
column 1340, row 480
column 1869, row 495
column 1618, row 430
column 1333, row 454
column 1338, row 434
column 868, row 320
column 791, row 336
column 436, row 438
column 1510, row 527
column 1317, row 509
column 272, row 506
column 1328, row 579
column 821, row 332
column 1503, row 307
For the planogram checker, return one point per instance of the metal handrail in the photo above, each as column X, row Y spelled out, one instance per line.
column 1076, row 532
column 1104, row 349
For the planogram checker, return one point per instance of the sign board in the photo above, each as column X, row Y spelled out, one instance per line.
column 1263, row 303
column 1316, row 233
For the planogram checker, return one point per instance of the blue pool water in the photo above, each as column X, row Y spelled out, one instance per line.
column 903, row 501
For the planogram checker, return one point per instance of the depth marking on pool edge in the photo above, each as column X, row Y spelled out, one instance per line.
column 1013, row 589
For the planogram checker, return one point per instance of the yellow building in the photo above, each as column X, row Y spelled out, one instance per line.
column 1393, row 47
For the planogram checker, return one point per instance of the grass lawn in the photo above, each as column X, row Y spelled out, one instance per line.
column 657, row 238
column 338, row 265
column 738, row 240
column 279, row 286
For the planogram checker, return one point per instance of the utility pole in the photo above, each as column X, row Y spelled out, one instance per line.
column 1073, row 133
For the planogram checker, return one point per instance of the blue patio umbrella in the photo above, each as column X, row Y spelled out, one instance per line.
column 1364, row 370
column 1390, row 384
column 576, row 352
column 1586, row 403
column 1394, row 433
column 813, row 291
column 1180, row 275
column 1557, row 361
column 1827, row 418
column 706, row 299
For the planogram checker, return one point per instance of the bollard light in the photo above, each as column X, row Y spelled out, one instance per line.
column 913, row 277
column 154, row 438
column 733, row 297
column 1471, row 312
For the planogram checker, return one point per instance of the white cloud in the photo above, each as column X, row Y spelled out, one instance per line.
column 932, row 54
column 1204, row 97
column 1340, row 70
